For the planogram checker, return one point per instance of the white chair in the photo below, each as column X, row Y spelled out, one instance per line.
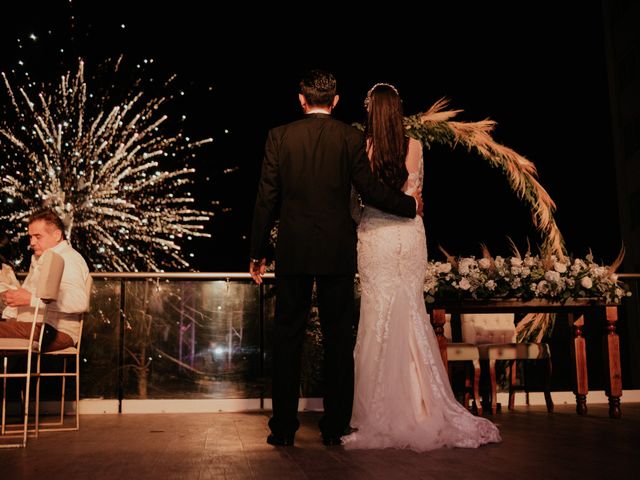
column 468, row 353
column 71, row 353
column 496, row 339
column 47, row 288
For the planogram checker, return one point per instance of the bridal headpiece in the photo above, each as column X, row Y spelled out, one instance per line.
column 382, row 84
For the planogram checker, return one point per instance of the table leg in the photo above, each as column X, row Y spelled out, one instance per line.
column 611, row 347
column 579, row 354
column 438, row 320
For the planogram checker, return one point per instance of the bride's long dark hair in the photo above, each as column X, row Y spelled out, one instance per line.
column 387, row 144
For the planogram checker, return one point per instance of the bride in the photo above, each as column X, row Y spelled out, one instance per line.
column 403, row 398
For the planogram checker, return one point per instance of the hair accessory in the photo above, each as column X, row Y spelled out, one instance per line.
column 367, row 100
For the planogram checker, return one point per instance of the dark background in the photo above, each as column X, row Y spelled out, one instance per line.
column 537, row 68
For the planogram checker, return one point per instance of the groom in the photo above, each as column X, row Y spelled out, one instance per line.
column 308, row 168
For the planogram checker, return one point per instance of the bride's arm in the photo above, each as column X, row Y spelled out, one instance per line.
column 414, row 164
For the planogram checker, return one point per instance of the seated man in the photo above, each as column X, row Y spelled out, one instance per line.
column 61, row 317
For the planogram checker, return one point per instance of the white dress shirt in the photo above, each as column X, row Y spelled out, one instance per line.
column 63, row 314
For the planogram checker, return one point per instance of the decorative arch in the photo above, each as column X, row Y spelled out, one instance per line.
column 436, row 126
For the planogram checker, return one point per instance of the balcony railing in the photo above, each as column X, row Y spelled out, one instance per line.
column 204, row 336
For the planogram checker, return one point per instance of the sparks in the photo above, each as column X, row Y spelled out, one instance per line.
column 100, row 164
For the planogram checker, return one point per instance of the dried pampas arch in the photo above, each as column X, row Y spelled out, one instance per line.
column 436, row 126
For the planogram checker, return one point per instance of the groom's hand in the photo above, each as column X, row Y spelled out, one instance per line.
column 419, row 205
column 257, row 268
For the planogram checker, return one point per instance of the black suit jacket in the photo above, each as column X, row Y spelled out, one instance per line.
column 308, row 169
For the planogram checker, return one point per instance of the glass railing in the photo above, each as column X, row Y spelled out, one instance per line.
column 204, row 336
column 167, row 335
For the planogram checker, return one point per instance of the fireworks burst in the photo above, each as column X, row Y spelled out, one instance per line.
column 102, row 165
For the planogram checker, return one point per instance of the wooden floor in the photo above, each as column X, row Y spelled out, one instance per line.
column 535, row 445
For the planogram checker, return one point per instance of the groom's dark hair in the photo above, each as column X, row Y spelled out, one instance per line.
column 318, row 87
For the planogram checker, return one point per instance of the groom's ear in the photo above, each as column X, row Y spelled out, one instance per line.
column 303, row 101
column 335, row 101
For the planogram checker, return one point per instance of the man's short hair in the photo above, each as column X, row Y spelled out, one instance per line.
column 49, row 216
column 318, row 88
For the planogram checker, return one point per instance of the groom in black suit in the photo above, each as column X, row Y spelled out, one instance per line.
column 307, row 172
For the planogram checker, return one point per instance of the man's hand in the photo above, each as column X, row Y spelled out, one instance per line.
column 419, row 205
column 257, row 268
column 17, row 298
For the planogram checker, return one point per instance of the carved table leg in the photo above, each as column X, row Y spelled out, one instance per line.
column 579, row 354
column 438, row 320
column 611, row 347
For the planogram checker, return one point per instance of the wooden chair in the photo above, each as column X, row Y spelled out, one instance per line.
column 67, row 354
column 51, row 268
column 470, row 354
column 495, row 336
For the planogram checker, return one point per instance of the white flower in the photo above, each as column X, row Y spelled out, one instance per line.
column 560, row 267
column 515, row 261
column 586, row 282
column 484, row 263
column 552, row 276
column 465, row 265
column 542, row 288
column 530, row 261
column 578, row 264
column 491, row 285
column 443, row 267
column 464, row 284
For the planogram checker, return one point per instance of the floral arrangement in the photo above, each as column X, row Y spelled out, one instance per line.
column 523, row 277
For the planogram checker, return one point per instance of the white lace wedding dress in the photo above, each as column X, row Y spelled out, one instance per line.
column 403, row 398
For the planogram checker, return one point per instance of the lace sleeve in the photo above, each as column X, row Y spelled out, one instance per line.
column 415, row 167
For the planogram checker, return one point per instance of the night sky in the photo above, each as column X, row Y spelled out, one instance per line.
column 537, row 68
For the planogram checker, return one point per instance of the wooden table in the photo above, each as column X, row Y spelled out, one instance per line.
column 576, row 310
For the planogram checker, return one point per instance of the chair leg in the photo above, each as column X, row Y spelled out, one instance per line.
column 64, row 384
column 37, row 413
column 513, row 375
column 467, row 386
column 547, row 388
column 494, row 397
column 476, row 386
column 26, row 402
column 4, row 395
column 77, row 377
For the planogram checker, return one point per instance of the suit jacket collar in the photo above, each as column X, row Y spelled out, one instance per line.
column 317, row 115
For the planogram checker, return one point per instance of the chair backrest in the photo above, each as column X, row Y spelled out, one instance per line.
column 88, row 287
column 51, row 269
column 447, row 328
column 482, row 328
